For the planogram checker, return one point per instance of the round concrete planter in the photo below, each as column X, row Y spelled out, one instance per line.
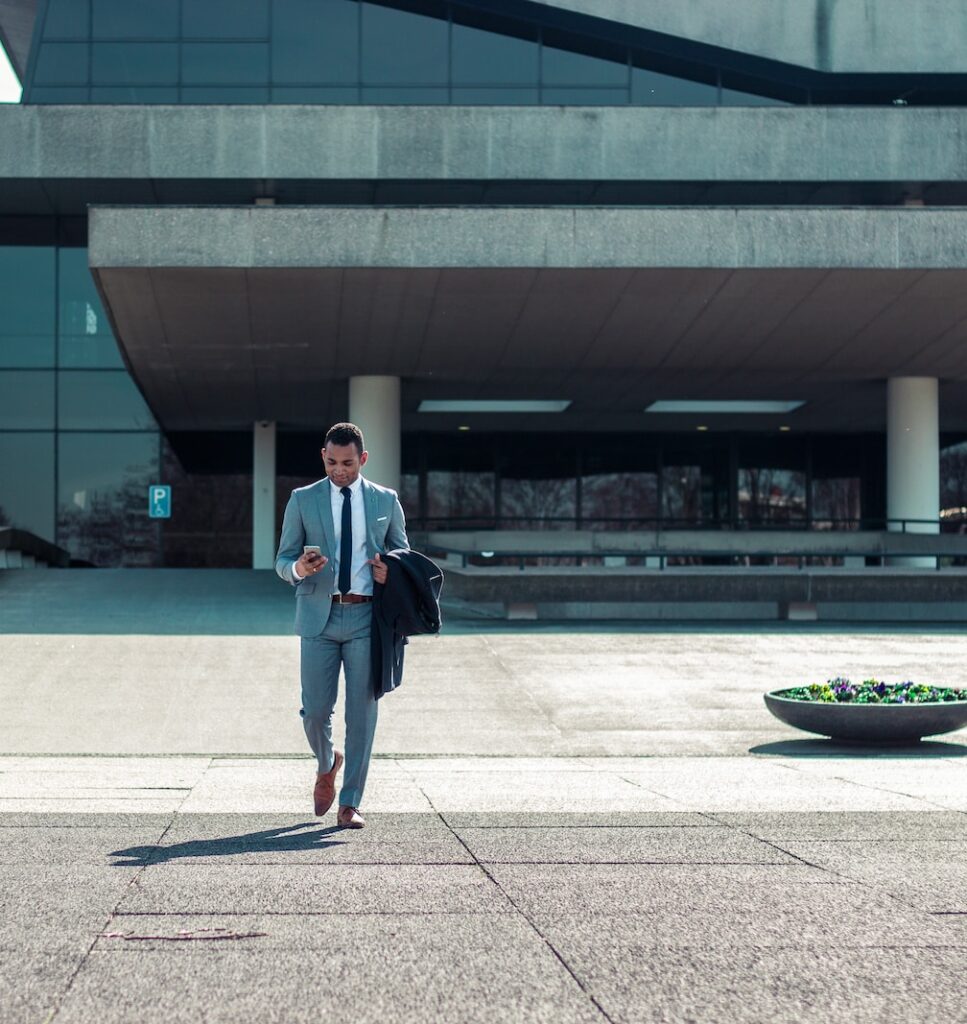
column 869, row 723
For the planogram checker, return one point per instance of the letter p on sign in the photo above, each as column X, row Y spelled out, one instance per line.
column 159, row 501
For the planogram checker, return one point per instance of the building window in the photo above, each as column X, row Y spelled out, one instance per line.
column 102, row 487
column 27, row 482
column 394, row 51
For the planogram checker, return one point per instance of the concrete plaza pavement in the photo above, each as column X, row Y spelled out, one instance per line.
column 565, row 825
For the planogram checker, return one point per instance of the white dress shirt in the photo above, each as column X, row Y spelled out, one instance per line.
column 361, row 575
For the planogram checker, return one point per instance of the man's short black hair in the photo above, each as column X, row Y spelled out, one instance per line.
column 344, row 434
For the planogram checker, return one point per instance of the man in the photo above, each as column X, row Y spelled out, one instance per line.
column 351, row 521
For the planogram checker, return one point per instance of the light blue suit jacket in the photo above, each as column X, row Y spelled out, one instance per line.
column 308, row 520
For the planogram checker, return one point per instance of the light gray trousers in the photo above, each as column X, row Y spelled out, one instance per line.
column 345, row 642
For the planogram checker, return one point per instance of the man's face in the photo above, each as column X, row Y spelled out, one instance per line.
column 343, row 463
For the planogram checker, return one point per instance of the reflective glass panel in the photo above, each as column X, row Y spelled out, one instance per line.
column 61, row 64
column 410, row 495
column 134, row 94
column 315, row 41
column 62, row 94
column 224, row 94
column 67, row 19
column 85, row 337
column 747, row 91
column 224, row 63
column 315, row 94
column 619, row 482
column 26, row 305
column 461, row 496
column 403, row 47
column 619, row 496
column 735, row 98
column 211, row 512
column 134, row 63
column 768, row 494
column 695, row 482
column 135, row 19
column 101, row 400
column 651, row 89
column 460, row 480
column 102, row 513
column 538, row 494
column 27, row 482
column 681, row 495
column 496, row 97
column 27, row 399
column 400, row 95
column 584, row 97
column 953, row 476
column 836, row 503
column 482, row 57
column 564, row 63
column 772, row 479
column 26, row 350
column 225, row 19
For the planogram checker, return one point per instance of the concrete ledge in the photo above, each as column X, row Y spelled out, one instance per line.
column 732, row 238
column 896, row 594
column 610, row 144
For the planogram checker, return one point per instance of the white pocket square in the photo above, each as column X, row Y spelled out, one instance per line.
column 380, row 519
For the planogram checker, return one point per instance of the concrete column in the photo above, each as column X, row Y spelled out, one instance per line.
column 374, row 406
column 913, row 459
column 264, row 540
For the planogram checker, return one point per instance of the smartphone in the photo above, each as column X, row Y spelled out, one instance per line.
column 313, row 548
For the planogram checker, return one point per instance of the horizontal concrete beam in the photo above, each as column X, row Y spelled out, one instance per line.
column 485, row 143
column 827, row 35
column 890, row 238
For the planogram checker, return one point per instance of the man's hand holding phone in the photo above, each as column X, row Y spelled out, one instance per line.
column 312, row 560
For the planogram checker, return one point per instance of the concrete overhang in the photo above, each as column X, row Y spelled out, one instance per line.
column 56, row 157
column 856, row 36
column 229, row 315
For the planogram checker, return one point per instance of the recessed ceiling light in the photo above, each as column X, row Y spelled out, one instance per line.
column 701, row 428
column 785, row 429
column 463, row 426
column 493, row 405
column 723, row 406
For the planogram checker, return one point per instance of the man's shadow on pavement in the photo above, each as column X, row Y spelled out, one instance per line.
column 272, row 840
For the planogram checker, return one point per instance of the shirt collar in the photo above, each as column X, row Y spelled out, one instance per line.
column 353, row 487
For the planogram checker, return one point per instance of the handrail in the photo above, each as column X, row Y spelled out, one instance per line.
column 666, row 523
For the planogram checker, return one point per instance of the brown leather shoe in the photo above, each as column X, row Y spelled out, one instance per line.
column 349, row 817
column 325, row 789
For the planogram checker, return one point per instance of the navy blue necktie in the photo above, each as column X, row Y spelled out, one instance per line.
column 346, row 543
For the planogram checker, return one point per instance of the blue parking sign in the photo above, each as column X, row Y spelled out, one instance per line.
column 159, row 501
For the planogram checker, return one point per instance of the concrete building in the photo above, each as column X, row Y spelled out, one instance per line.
column 569, row 264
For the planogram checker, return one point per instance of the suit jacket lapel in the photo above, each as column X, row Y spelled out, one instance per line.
column 372, row 510
column 325, row 514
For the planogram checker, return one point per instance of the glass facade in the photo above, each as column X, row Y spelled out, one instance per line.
column 640, row 481
column 347, row 52
column 78, row 445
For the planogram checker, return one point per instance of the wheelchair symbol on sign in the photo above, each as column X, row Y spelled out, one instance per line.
column 159, row 501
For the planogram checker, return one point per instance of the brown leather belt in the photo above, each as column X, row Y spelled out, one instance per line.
column 350, row 598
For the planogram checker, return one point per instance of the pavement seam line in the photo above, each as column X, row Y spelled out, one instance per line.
column 567, row 967
column 520, row 685
column 862, row 883
column 132, row 882
column 881, row 789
